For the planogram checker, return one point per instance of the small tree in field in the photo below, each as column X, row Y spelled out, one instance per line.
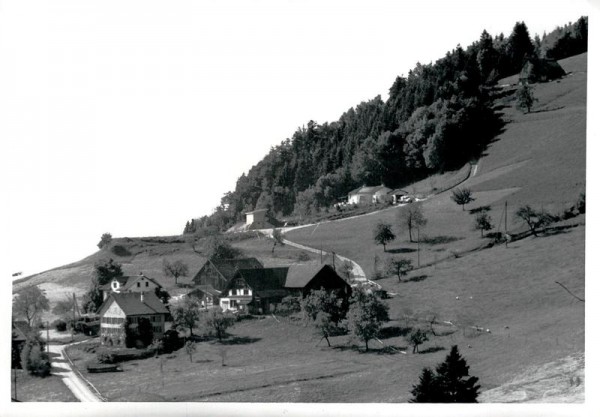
column 533, row 218
column 525, row 98
column 105, row 240
column 219, row 322
column 462, row 196
column 186, row 314
column 382, row 234
column 175, row 269
column 366, row 315
column 412, row 217
column 325, row 326
column 416, row 338
column 399, row 267
column 190, row 348
column 483, row 222
column 277, row 239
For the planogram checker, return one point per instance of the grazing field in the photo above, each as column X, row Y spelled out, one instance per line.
column 532, row 322
column 35, row 389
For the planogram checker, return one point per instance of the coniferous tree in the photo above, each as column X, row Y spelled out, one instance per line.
column 451, row 382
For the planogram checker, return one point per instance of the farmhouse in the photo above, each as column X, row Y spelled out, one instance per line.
column 369, row 195
column 217, row 273
column 138, row 283
column 397, row 194
column 259, row 291
column 121, row 308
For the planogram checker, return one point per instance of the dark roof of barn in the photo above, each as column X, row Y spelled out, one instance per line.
column 206, row 289
column 228, row 267
column 266, row 282
column 132, row 305
column 299, row 275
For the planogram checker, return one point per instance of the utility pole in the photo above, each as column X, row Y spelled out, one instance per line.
column 48, row 337
column 506, row 223
column 418, row 248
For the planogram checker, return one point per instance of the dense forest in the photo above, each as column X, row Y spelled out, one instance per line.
column 437, row 118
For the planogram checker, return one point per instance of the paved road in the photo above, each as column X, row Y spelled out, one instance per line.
column 61, row 367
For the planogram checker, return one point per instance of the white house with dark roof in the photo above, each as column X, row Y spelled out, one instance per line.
column 137, row 283
column 121, row 308
column 370, row 195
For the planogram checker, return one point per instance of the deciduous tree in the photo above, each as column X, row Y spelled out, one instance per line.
column 416, row 338
column 105, row 240
column 462, row 196
column 383, row 234
column 277, row 239
column 399, row 267
column 483, row 222
column 30, row 303
column 412, row 216
column 219, row 321
column 366, row 315
column 186, row 314
column 175, row 269
column 533, row 218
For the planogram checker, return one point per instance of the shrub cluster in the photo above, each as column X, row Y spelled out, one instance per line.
column 34, row 359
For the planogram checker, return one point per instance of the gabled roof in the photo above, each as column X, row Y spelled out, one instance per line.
column 127, row 282
column 228, row 267
column 132, row 305
column 206, row 289
column 299, row 275
column 265, row 282
column 370, row 190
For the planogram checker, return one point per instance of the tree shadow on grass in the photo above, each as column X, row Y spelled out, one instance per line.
column 401, row 250
column 438, row 240
column 431, row 349
column 418, row 278
column 379, row 350
column 393, row 331
column 240, row 340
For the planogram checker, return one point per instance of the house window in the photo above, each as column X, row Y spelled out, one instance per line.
column 146, row 283
column 230, row 292
column 138, row 285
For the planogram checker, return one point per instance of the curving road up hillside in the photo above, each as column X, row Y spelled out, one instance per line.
column 62, row 368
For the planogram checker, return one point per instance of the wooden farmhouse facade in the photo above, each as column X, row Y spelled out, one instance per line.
column 259, row 291
column 120, row 309
column 216, row 273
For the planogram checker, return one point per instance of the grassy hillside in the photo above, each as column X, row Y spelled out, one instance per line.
column 539, row 160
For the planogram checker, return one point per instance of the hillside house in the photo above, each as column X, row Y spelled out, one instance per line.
column 257, row 219
column 137, row 283
column 370, row 195
column 121, row 308
column 259, row 291
column 217, row 273
column 397, row 194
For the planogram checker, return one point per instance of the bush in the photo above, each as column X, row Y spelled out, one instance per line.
column 303, row 257
column 120, row 250
column 289, row 305
column 122, row 355
column 60, row 325
column 171, row 341
column 35, row 360
column 105, row 356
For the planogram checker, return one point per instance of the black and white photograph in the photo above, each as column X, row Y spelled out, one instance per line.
column 286, row 207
